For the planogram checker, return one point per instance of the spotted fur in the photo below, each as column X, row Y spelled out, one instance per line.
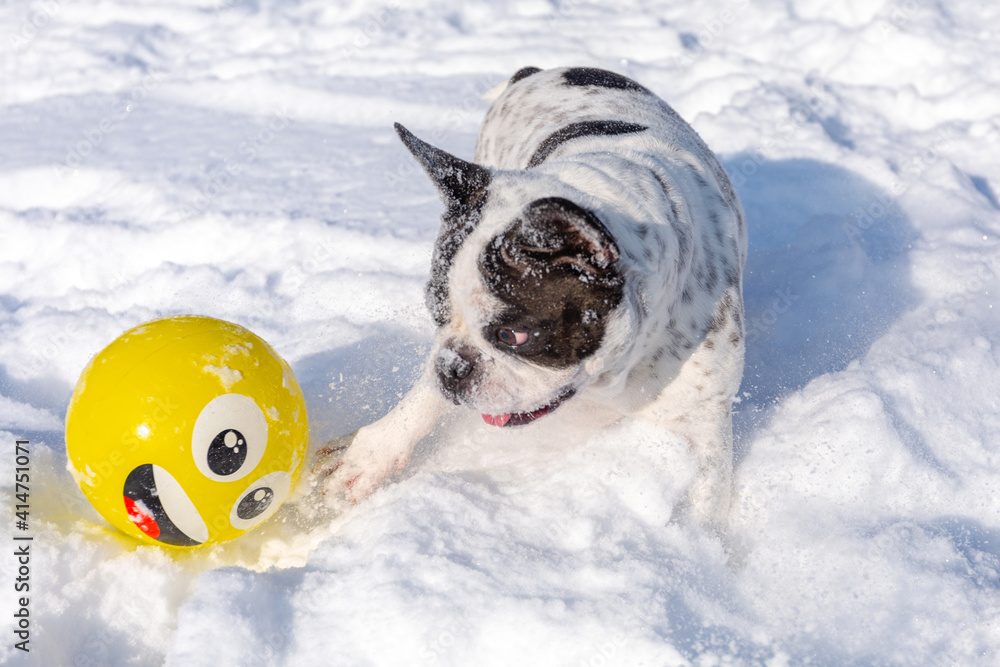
column 590, row 261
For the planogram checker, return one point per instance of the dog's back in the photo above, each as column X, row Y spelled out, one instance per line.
column 551, row 114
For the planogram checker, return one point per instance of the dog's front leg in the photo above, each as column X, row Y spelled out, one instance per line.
column 378, row 450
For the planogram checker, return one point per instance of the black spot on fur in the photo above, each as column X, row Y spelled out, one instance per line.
column 683, row 240
column 666, row 193
column 591, row 76
column 699, row 275
column 722, row 312
column 524, row 73
column 582, row 129
column 555, row 269
column 679, row 341
column 732, row 276
column 713, row 277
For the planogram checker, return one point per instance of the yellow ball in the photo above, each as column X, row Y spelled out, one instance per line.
column 186, row 431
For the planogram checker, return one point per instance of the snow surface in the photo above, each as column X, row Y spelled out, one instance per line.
column 237, row 160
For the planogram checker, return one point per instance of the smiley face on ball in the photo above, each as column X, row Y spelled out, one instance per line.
column 228, row 442
column 187, row 431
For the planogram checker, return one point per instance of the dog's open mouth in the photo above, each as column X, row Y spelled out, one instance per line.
column 522, row 418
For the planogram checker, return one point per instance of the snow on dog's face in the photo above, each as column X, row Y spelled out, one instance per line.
column 522, row 288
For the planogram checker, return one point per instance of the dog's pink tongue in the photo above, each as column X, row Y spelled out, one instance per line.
column 496, row 420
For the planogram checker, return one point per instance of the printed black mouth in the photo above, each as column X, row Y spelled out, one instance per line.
column 144, row 504
column 522, row 418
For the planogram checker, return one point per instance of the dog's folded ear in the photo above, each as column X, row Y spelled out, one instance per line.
column 460, row 183
column 556, row 231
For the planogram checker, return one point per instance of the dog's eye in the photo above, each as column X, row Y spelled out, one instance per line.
column 512, row 337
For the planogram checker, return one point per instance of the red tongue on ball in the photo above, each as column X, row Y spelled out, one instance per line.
column 138, row 515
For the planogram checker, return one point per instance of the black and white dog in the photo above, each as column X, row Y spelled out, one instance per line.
column 589, row 267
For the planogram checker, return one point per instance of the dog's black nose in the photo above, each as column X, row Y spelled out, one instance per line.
column 456, row 365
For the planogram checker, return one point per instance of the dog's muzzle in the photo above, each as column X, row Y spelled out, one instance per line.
column 456, row 367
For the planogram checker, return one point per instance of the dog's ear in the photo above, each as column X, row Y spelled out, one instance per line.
column 555, row 231
column 460, row 183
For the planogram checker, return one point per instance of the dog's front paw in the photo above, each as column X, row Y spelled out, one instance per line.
column 329, row 456
column 352, row 467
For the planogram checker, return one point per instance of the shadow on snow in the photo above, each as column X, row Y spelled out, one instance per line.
column 827, row 274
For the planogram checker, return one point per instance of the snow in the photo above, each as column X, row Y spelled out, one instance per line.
column 237, row 159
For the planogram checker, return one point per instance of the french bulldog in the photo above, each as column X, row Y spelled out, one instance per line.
column 588, row 267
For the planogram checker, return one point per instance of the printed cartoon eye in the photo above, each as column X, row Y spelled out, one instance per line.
column 229, row 437
column 512, row 337
column 260, row 500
